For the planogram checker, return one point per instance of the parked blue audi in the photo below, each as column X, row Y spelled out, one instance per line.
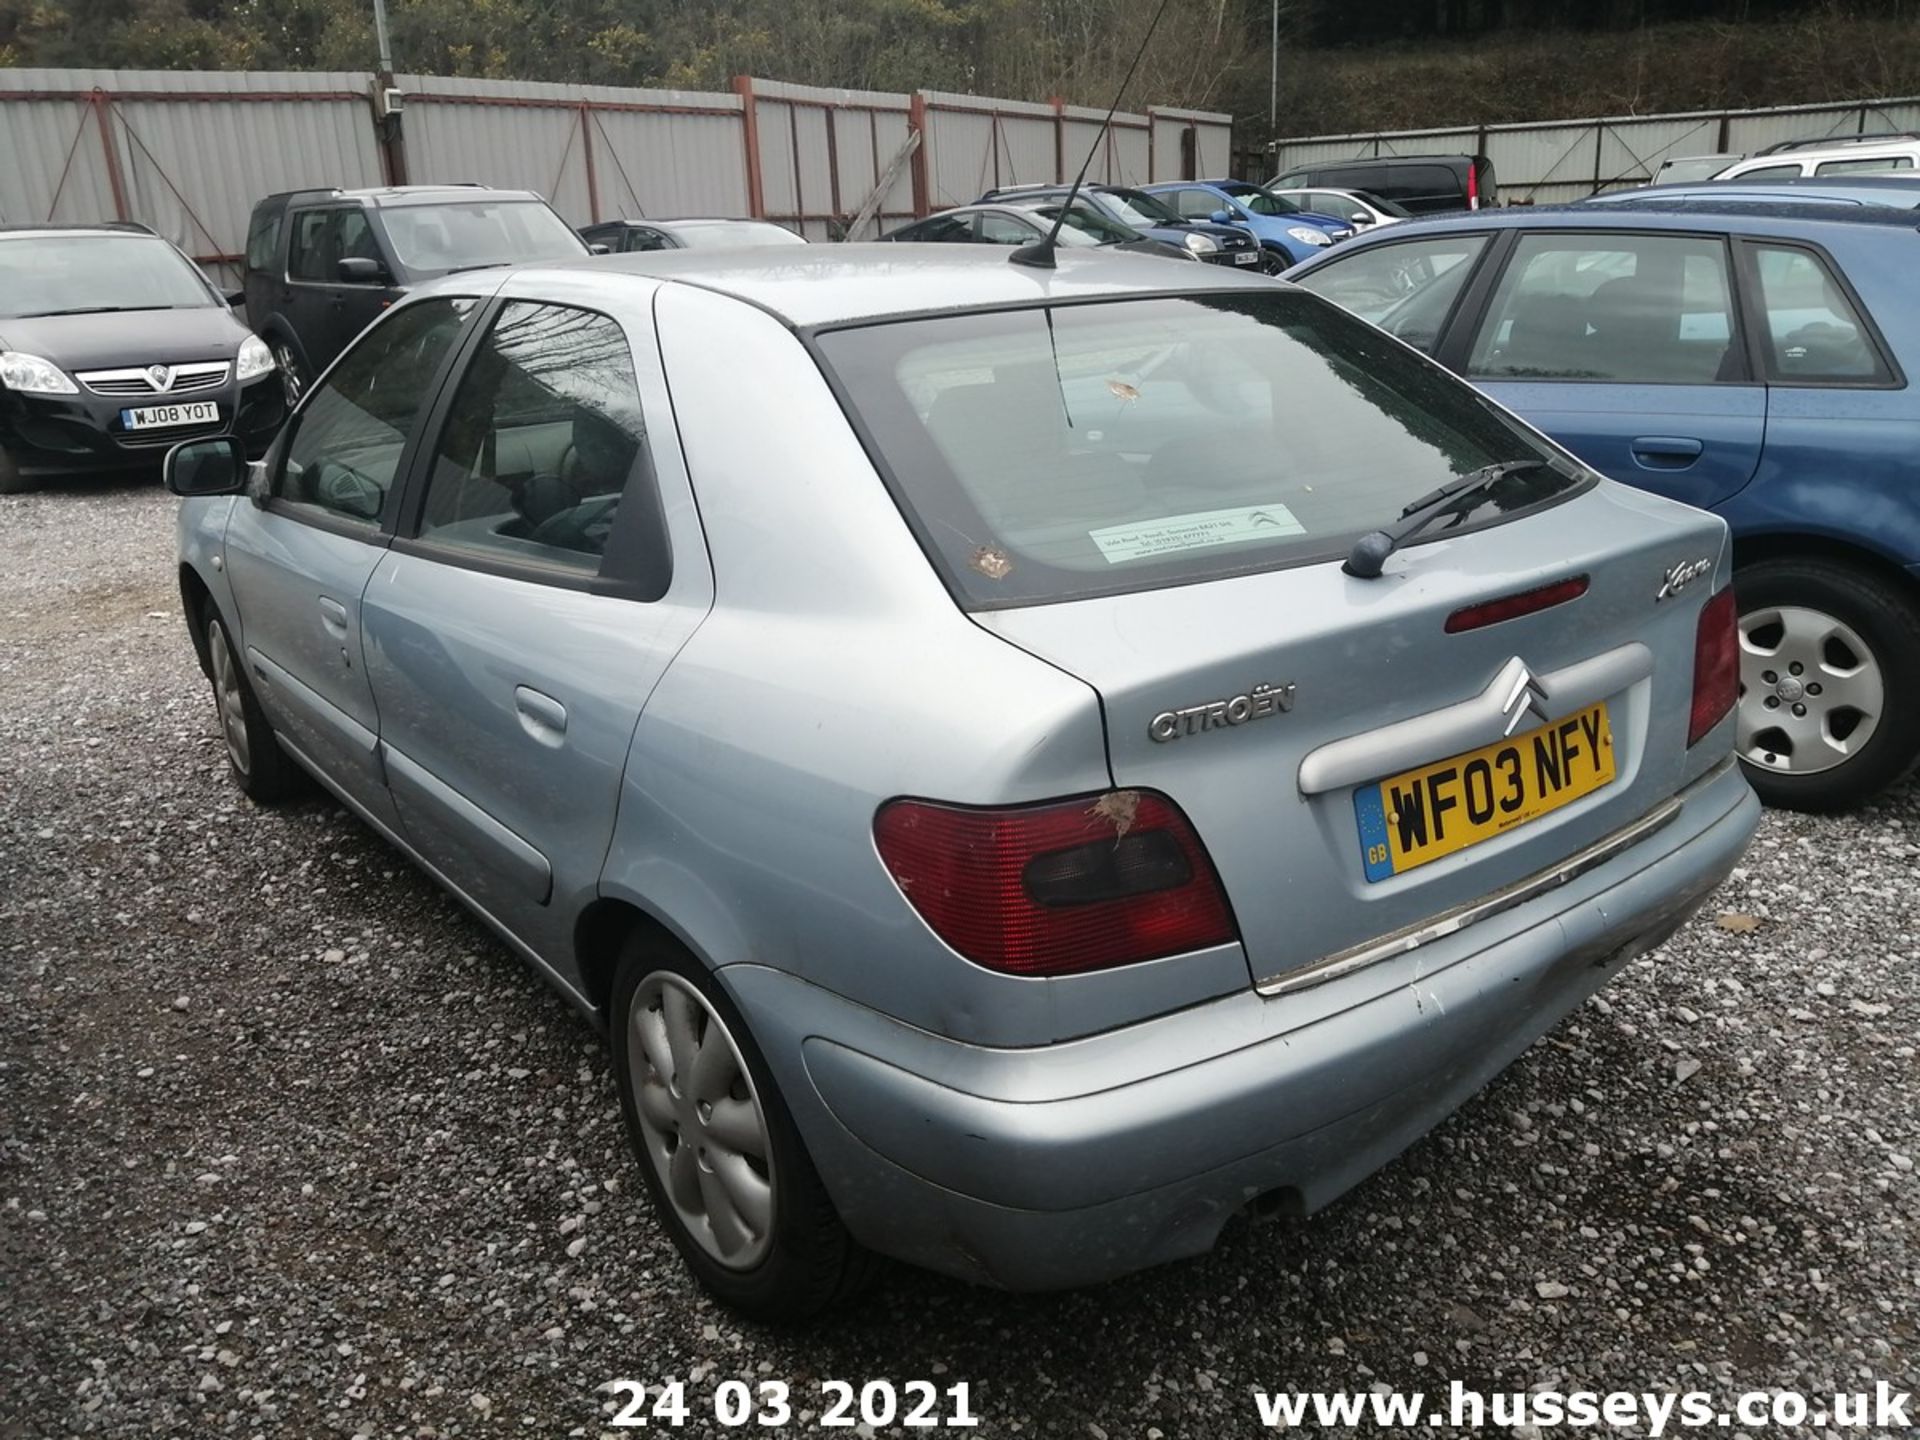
column 1287, row 231
column 1753, row 361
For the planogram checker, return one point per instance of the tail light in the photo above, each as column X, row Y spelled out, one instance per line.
column 1060, row 888
column 1473, row 184
column 1716, row 665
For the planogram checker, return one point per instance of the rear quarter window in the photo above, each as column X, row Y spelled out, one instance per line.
column 1047, row 454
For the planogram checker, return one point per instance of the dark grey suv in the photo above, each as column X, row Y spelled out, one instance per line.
column 323, row 264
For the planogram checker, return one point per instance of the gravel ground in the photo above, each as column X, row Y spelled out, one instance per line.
column 290, row 1147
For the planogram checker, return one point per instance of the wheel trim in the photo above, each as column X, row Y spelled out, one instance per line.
column 228, row 698
column 701, row 1119
column 1812, row 693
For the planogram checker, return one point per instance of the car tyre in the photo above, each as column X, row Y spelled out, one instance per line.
column 264, row 772
column 12, row 482
column 1829, row 665
column 758, row 1231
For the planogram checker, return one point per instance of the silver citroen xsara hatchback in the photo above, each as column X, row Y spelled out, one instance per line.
column 1024, row 763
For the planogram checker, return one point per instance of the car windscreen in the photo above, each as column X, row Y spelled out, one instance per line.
column 1084, row 226
column 83, row 274
column 734, row 235
column 1140, row 209
column 1382, row 204
column 1052, row 453
column 432, row 239
column 1259, row 202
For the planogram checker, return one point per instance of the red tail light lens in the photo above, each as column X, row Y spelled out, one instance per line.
column 1512, row 607
column 1057, row 889
column 1716, row 665
column 1473, row 184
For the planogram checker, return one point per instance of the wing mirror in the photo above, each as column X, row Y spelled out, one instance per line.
column 1221, row 217
column 599, row 248
column 358, row 270
column 216, row 466
column 236, row 299
column 1361, row 217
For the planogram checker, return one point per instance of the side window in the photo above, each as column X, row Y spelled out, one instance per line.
column 1003, row 230
column 1406, row 289
column 1814, row 334
column 263, row 239
column 1768, row 172
column 1197, row 204
column 1632, row 308
column 1877, row 165
column 950, row 228
column 641, row 238
column 348, row 436
column 539, row 441
column 308, row 258
column 353, row 238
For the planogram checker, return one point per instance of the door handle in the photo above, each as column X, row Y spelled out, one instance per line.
column 541, row 716
column 333, row 615
column 1667, row 452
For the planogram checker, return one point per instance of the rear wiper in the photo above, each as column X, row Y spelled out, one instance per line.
column 1371, row 550
column 477, row 265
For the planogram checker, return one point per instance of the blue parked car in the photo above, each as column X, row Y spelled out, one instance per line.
column 1748, row 360
column 1228, row 245
column 1287, row 231
column 1901, row 191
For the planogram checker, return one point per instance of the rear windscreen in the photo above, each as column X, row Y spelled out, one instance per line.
column 1051, row 453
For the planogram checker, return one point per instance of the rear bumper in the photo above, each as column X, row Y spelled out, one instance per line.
column 1072, row 1163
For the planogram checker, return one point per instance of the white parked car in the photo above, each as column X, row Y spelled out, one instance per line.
column 1863, row 155
column 1360, row 208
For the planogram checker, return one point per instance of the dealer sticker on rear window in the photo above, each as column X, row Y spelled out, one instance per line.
column 1145, row 539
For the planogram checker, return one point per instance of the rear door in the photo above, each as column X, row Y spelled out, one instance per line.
column 306, row 294
column 1629, row 350
column 531, row 602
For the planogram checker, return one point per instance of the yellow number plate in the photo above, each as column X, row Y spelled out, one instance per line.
column 1416, row 817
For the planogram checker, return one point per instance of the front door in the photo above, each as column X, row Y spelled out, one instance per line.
column 300, row 553
column 530, row 603
column 1627, row 349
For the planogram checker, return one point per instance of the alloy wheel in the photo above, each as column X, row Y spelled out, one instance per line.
column 1811, row 692
column 229, row 698
column 702, row 1121
column 289, row 371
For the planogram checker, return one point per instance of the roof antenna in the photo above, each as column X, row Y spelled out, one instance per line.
column 1040, row 253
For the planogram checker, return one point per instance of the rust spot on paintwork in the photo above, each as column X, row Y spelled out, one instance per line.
column 1118, row 809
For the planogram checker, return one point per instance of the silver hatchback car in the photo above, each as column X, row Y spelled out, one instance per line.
column 1024, row 764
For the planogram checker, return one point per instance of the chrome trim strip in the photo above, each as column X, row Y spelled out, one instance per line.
column 1402, row 942
column 1469, row 724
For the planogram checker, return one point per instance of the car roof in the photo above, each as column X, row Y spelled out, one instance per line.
column 1852, row 191
column 685, row 220
column 825, row 285
column 383, row 195
column 1805, row 218
column 104, row 227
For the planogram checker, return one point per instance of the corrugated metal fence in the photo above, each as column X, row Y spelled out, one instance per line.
column 1566, row 160
column 189, row 152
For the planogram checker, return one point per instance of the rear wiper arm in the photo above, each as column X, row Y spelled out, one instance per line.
column 1370, row 551
column 477, row 265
